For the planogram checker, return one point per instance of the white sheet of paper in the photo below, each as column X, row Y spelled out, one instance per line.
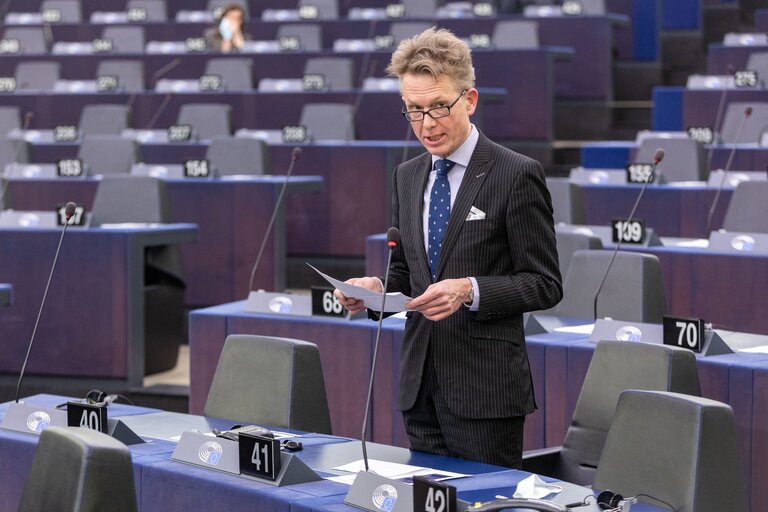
column 395, row 300
column 762, row 349
column 576, row 329
column 393, row 471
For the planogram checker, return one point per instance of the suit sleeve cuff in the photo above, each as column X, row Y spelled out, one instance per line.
column 475, row 306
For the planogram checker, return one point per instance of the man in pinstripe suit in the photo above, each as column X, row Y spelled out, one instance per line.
column 465, row 383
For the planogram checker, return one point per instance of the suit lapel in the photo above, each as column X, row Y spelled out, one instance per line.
column 474, row 177
column 416, row 225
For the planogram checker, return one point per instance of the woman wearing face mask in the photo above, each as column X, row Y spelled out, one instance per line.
column 228, row 36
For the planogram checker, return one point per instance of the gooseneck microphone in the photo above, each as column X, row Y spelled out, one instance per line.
column 657, row 158
column 719, row 115
column 393, row 240
column 710, row 215
column 69, row 211
column 295, row 155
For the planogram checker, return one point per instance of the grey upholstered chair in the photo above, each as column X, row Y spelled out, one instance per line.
column 748, row 208
column 126, row 198
column 13, row 150
column 37, row 75
column 108, row 154
column 31, row 39
column 515, row 34
column 566, row 201
column 129, row 73
column 338, row 71
column 69, row 10
column 125, row 39
column 327, row 9
column 286, row 372
column 677, row 448
column 234, row 155
column 79, row 470
column 401, row 30
column 329, row 121
column 633, row 290
column 685, row 159
column 156, row 9
column 753, row 125
column 615, row 367
column 103, row 120
column 236, row 74
column 569, row 243
column 208, row 120
column 309, row 34
column 10, row 119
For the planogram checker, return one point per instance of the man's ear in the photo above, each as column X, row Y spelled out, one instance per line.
column 471, row 100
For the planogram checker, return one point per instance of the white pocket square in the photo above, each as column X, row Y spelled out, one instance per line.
column 475, row 214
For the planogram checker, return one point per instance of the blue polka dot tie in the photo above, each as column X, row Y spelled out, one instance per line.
column 439, row 210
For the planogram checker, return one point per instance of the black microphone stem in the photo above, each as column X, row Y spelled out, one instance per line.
column 294, row 156
column 40, row 312
column 373, row 363
column 618, row 244
column 711, row 213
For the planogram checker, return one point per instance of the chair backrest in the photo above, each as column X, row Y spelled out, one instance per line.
column 514, row 34
column 759, row 62
column 125, row 39
column 684, row 159
column 79, row 470
column 10, row 119
column 566, row 201
column 31, row 39
column 215, row 5
column 234, row 155
column 677, row 448
column 209, row 120
column 13, row 150
column 338, row 71
column 633, row 290
column 615, row 367
column 103, row 120
column 130, row 199
column 288, row 370
column 69, row 10
column 401, row 30
column 129, row 73
column 108, row 154
column 38, row 76
column 236, row 74
column 329, row 121
column 753, row 125
column 327, row 9
column 156, row 9
column 569, row 243
column 420, row 8
column 748, row 208
column 309, row 34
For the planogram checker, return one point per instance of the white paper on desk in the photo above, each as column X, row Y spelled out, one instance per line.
column 576, row 329
column 393, row 471
column 762, row 349
column 395, row 300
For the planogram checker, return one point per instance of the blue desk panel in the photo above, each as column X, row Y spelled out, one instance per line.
column 164, row 485
column 721, row 57
column 232, row 216
column 97, row 293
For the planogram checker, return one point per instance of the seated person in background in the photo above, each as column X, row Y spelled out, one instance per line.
column 228, row 36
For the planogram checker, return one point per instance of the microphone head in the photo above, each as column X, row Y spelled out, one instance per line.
column 295, row 153
column 730, row 69
column 747, row 111
column 69, row 210
column 393, row 237
column 658, row 156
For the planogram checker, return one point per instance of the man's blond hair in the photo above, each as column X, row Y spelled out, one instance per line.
column 435, row 52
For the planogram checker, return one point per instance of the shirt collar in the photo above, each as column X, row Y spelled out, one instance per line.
column 464, row 152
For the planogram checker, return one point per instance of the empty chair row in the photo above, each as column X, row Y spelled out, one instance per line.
column 195, row 121
column 507, row 34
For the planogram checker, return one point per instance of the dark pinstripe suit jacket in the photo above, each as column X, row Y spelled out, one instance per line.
column 480, row 357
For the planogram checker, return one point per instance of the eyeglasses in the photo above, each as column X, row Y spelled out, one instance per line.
column 434, row 113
